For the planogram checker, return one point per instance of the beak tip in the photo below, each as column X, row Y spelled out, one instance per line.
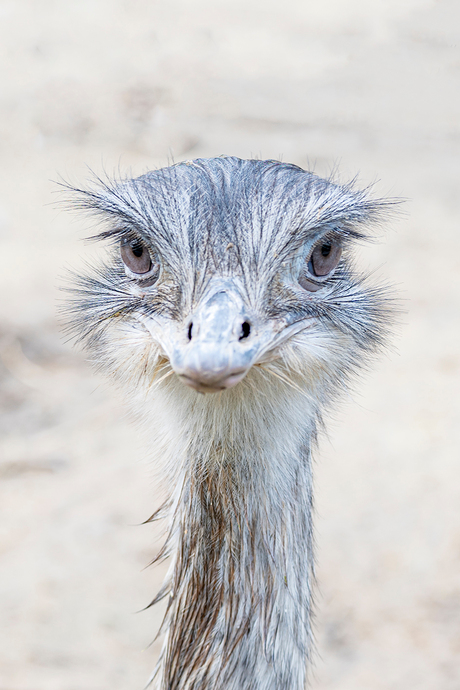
column 204, row 384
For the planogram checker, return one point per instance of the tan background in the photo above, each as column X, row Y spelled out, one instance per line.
column 368, row 86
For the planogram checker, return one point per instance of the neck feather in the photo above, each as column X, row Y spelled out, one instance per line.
column 238, row 615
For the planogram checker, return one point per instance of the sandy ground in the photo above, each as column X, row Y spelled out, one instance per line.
column 369, row 87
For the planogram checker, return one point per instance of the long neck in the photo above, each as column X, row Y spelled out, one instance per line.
column 240, row 591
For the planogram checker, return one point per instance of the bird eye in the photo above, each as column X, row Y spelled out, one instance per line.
column 322, row 261
column 324, row 258
column 135, row 256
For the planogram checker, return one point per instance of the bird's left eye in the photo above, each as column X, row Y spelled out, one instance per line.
column 135, row 256
column 324, row 258
column 320, row 264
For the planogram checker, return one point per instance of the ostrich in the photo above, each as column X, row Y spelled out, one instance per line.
column 230, row 312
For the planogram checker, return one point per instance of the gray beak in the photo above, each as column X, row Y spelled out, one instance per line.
column 221, row 343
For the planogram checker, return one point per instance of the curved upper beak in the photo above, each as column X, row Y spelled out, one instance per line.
column 220, row 343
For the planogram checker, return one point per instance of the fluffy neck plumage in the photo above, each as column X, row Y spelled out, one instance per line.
column 240, row 588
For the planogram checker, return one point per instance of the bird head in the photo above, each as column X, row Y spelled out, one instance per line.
column 219, row 268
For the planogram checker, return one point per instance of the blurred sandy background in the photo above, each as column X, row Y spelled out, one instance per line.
column 370, row 87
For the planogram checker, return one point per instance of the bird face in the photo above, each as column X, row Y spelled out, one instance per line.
column 213, row 347
column 222, row 266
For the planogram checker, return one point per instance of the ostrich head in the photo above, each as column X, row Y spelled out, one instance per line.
column 230, row 310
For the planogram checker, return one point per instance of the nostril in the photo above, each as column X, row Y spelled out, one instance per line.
column 190, row 328
column 245, row 330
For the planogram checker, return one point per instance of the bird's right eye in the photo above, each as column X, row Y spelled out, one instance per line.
column 135, row 256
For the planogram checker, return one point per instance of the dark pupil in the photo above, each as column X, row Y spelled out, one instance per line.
column 326, row 249
column 137, row 249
